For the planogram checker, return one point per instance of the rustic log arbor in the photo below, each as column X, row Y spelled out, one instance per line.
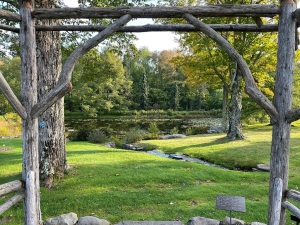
column 280, row 112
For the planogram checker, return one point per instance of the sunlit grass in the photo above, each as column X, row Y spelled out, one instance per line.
column 117, row 185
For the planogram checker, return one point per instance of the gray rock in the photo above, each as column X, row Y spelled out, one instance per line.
column 171, row 136
column 150, row 223
column 65, row 219
column 234, row 221
column 263, row 167
column 257, row 223
column 110, row 144
column 91, row 220
column 215, row 129
column 132, row 147
column 202, row 221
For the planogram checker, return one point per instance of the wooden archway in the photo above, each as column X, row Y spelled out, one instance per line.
column 280, row 111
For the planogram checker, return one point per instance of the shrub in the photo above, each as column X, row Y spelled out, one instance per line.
column 118, row 142
column 174, row 130
column 134, row 135
column 153, row 131
column 97, row 136
column 79, row 135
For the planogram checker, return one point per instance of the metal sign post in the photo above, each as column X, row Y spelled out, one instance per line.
column 231, row 203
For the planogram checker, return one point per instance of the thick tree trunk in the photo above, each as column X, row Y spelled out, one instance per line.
column 225, row 110
column 51, row 123
column 235, row 108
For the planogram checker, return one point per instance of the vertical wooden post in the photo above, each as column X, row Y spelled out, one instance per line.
column 276, row 207
column 283, row 101
column 30, row 126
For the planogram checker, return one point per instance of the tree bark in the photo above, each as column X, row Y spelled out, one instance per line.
column 225, row 123
column 235, row 108
column 30, row 125
column 279, row 162
column 230, row 10
column 52, row 149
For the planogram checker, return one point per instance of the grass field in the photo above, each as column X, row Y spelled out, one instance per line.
column 117, row 185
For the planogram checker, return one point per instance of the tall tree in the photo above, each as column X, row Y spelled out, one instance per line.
column 52, row 150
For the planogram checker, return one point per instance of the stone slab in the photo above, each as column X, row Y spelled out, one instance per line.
column 129, row 222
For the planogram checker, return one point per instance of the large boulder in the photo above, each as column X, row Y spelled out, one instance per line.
column 91, row 220
column 64, row 219
column 202, row 221
column 215, row 129
column 171, row 136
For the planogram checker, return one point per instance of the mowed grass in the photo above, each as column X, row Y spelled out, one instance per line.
column 117, row 185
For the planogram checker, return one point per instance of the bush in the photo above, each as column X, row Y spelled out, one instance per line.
column 196, row 130
column 79, row 135
column 153, row 131
column 134, row 135
column 97, row 136
column 118, row 142
column 174, row 130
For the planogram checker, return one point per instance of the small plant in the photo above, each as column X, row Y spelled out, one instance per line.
column 118, row 142
column 153, row 131
column 97, row 136
column 79, row 135
column 134, row 135
column 174, row 130
column 189, row 131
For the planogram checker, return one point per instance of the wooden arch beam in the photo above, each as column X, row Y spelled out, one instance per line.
column 221, row 10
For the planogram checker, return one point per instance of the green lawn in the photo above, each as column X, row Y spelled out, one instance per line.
column 117, row 185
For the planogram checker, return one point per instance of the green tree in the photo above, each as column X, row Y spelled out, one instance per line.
column 99, row 84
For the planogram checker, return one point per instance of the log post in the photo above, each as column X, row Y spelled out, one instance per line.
column 11, row 187
column 276, row 207
column 30, row 125
column 10, row 202
column 279, row 161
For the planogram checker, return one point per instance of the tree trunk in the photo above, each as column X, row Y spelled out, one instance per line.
column 51, row 123
column 225, row 110
column 235, row 108
column 280, row 149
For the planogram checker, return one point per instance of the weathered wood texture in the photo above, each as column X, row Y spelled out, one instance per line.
column 151, row 28
column 30, row 125
column 293, row 115
column 12, row 98
column 30, row 200
column 4, row 14
column 9, row 28
column 279, row 160
column 175, row 28
column 251, row 87
column 11, row 187
column 237, row 10
column 12, row 201
column 275, row 208
column 64, row 85
column 294, row 195
column 293, row 209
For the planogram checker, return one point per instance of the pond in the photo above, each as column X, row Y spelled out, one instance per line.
column 121, row 125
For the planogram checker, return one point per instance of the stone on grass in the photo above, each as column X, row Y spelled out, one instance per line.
column 202, row 221
column 129, row 222
column 215, row 129
column 234, row 221
column 171, row 136
column 263, row 167
column 64, row 219
column 91, row 220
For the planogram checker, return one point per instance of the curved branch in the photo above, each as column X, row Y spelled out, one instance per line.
column 63, row 84
column 4, row 14
column 11, row 97
column 10, row 28
column 251, row 89
column 293, row 115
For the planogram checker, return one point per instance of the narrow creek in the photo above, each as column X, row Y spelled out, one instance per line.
column 183, row 157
